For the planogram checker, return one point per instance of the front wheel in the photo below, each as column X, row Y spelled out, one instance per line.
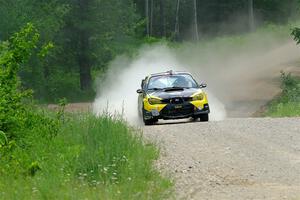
column 148, row 122
column 195, row 118
column 204, row 117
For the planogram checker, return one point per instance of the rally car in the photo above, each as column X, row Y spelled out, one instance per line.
column 172, row 95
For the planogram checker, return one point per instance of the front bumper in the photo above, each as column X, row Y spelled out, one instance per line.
column 177, row 111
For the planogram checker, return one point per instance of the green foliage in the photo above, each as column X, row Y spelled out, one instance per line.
column 89, row 158
column 62, row 84
column 45, row 49
column 288, row 104
column 108, row 28
column 296, row 34
column 33, row 168
column 290, row 88
column 15, row 113
column 13, row 54
column 3, row 139
column 37, row 120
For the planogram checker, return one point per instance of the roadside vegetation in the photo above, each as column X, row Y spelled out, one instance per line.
column 82, row 157
column 57, row 155
column 288, row 103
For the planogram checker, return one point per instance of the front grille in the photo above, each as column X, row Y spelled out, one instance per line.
column 188, row 99
column 173, row 111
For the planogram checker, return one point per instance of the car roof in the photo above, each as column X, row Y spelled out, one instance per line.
column 171, row 72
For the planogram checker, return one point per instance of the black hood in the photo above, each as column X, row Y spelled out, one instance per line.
column 186, row 92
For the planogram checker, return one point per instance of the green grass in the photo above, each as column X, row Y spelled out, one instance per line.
column 88, row 158
column 278, row 109
column 288, row 103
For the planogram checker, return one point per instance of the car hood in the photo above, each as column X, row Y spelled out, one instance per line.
column 187, row 92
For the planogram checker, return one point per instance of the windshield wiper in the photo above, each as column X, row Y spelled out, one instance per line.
column 155, row 89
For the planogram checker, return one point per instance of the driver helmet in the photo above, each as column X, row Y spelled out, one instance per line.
column 181, row 82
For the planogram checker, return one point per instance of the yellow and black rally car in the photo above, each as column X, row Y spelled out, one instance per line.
column 172, row 95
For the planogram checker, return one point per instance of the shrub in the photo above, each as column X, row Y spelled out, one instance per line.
column 288, row 103
column 290, row 88
column 13, row 54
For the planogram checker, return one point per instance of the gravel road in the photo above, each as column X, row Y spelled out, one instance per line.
column 246, row 158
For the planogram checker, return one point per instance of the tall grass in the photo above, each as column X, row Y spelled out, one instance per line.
column 89, row 158
column 288, row 103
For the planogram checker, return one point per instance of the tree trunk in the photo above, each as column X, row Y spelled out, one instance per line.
column 151, row 17
column 84, row 61
column 147, row 17
column 177, row 21
column 83, row 49
column 46, row 71
column 196, row 20
column 163, row 19
column 251, row 15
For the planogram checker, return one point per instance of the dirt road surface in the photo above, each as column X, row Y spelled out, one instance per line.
column 246, row 158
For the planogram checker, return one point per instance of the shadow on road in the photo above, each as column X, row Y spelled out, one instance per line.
column 179, row 121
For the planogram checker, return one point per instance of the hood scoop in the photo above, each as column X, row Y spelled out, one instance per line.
column 173, row 89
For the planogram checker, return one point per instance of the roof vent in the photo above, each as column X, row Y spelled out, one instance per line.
column 171, row 72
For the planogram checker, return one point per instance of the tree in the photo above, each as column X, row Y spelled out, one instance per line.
column 251, row 15
column 151, row 17
column 48, row 18
column 92, row 29
column 88, row 34
column 147, row 17
column 84, row 32
column 163, row 30
column 177, row 21
column 196, row 20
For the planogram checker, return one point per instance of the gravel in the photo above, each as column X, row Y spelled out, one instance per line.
column 247, row 158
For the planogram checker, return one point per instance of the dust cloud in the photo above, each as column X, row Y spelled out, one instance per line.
column 118, row 91
column 241, row 76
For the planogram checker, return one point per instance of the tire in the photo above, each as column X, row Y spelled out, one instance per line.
column 148, row 122
column 204, row 118
column 195, row 118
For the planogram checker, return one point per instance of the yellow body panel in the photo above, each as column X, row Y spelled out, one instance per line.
column 148, row 107
column 200, row 103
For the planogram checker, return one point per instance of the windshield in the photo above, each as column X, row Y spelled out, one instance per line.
column 172, row 81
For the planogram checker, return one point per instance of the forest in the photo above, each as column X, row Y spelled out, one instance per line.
column 83, row 36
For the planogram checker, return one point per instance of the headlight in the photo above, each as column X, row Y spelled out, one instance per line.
column 198, row 97
column 154, row 101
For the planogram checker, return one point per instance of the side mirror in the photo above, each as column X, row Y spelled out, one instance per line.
column 203, row 85
column 142, row 84
column 139, row 91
